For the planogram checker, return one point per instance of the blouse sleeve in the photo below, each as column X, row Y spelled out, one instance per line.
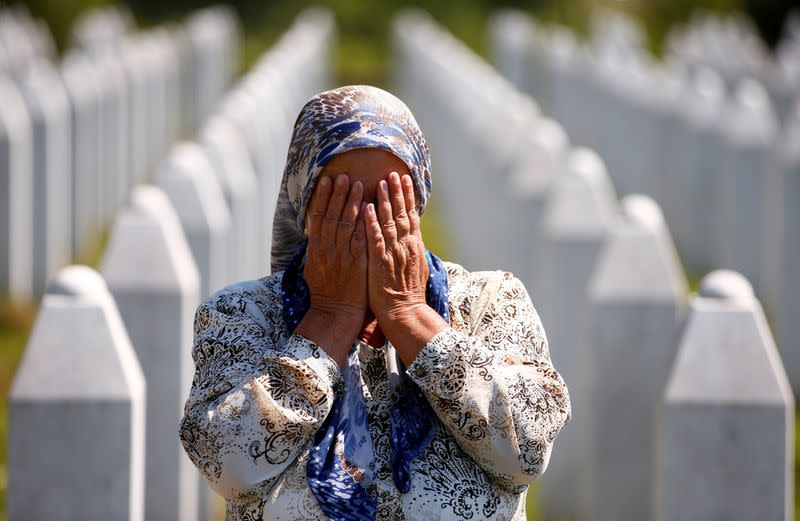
column 497, row 392
column 257, row 398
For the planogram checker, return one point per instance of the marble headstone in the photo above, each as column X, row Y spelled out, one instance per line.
column 77, row 410
column 727, row 432
column 637, row 293
column 151, row 274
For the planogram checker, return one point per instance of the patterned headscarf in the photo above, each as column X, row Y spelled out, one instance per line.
column 331, row 123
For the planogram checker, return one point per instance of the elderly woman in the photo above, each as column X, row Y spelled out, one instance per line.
column 365, row 378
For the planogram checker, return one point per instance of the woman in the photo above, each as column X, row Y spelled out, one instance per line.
column 367, row 379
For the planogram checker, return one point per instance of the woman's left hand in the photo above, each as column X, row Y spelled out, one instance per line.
column 398, row 270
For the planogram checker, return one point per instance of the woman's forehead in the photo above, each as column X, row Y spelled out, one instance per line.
column 365, row 161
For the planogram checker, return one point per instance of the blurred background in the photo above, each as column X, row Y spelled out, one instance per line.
column 362, row 52
column 544, row 78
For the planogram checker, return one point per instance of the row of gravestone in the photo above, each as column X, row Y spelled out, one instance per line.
column 96, row 400
column 78, row 134
column 681, row 407
column 712, row 133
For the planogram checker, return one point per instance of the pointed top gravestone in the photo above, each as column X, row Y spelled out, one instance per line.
column 728, row 406
column 636, row 294
column 148, row 248
column 102, row 362
column 753, row 372
column 154, row 279
column 79, row 376
column 582, row 200
column 640, row 260
column 750, row 119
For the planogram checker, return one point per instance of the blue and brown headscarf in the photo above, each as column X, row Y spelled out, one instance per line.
column 331, row 123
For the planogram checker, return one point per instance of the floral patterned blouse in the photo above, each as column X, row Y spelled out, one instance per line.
column 260, row 394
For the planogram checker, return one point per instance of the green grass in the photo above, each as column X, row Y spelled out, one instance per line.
column 532, row 505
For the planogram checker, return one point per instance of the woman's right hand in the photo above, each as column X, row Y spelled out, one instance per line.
column 336, row 265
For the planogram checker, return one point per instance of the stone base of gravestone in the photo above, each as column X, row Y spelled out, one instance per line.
column 77, row 411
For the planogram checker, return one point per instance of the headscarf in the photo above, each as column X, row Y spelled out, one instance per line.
column 329, row 124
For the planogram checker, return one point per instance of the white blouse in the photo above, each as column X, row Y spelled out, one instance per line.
column 259, row 394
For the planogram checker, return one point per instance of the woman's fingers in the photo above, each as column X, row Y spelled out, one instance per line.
column 358, row 243
column 376, row 246
column 411, row 204
column 347, row 222
column 384, row 213
column 330, row 220
column 398, row 205
column 319, row 204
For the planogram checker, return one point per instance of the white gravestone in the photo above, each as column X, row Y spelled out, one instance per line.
column 579, row 210
column 166, row 77
column 212, row 37
column 101, row 27
column 77, row 410
column 788, row 268
column 568, row 66
column 50, row 111
column 750, row 131
column 150, row 271
column 691, row 185
column 85, row 98
column 636, row 294
column 188, row 179
column 16, row 195
column 114, row 175
column 141, row 125
column 238, row 110
column 727, row 431
column 511, row 40
column 612, row 118
column 777, row 203
column 527, row 191
column 230, row 160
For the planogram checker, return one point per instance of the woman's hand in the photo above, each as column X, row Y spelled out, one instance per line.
column 336, row 266
column 398, row 270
